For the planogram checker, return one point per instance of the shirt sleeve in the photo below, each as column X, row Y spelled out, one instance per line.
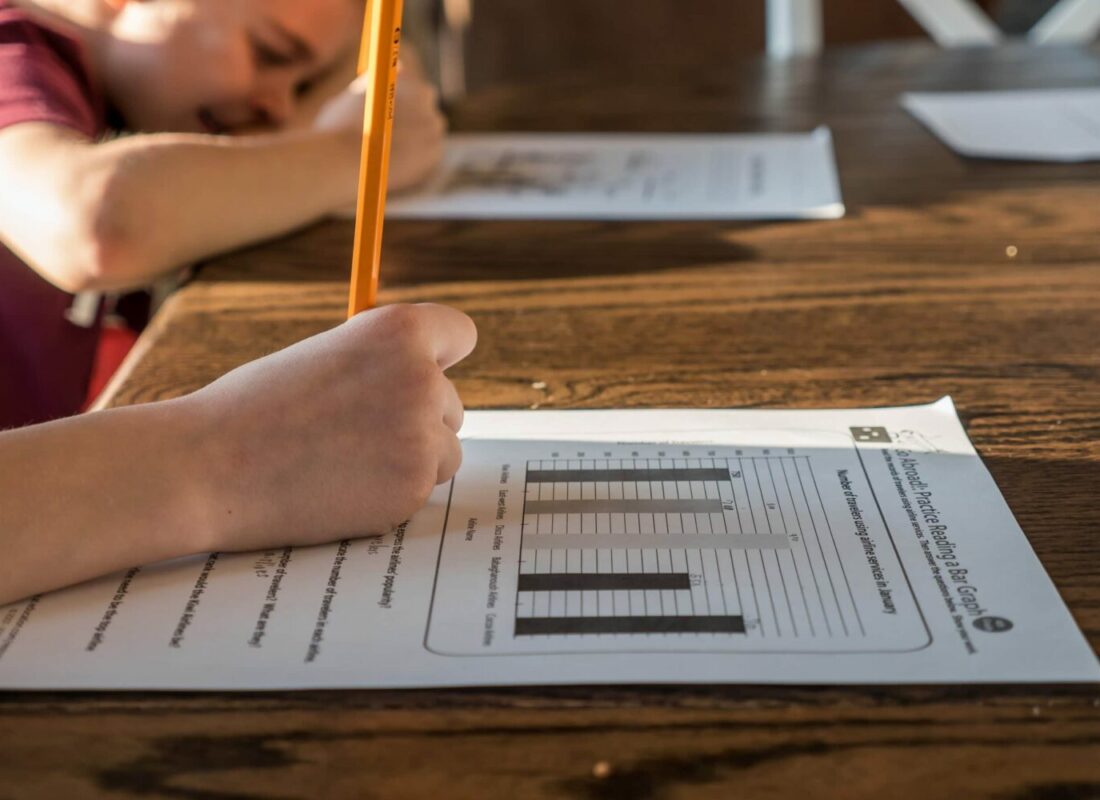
column 38, row 83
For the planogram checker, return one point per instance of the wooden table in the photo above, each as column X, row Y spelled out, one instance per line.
column 975, row 279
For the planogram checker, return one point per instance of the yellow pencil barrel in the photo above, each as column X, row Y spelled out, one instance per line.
column 378, row 55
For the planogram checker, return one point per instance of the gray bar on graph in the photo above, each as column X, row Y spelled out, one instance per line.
column 534, row 626
column 602, row 581
column 701, row 505
column 658, row 541
column 618, row 475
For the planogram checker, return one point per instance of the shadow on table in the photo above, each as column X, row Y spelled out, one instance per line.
column 422, row 252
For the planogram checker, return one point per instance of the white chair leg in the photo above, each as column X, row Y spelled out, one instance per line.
column 954, row 23
column 452, row 48
column 1069, row 22
column 793, row 27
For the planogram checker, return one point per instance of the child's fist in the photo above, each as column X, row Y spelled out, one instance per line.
column 418, row 126
column 340, row 435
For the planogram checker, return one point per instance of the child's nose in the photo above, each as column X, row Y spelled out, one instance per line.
column 274, row 104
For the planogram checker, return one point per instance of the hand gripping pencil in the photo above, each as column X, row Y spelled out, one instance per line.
column 378, row 52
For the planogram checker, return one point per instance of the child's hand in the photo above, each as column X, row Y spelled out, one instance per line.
column 341, row 435
column 418, row 126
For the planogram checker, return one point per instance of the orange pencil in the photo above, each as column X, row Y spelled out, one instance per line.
column 378, row 52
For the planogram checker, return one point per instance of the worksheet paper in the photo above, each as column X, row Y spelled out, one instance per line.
column 630, row 176
column 1039, row 125
column 825, row 547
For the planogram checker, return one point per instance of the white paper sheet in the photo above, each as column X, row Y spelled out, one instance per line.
column 1038, row 125
column 859, row 546
column 630, row 176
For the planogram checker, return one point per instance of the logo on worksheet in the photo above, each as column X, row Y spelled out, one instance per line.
column 867, row 433
column 993, row 624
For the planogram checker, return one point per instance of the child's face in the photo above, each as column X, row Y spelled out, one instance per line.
column 221, row 66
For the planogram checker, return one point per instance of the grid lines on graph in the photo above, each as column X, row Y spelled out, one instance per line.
column 734, row 546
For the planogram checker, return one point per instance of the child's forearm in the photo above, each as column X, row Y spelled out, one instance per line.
column 172, row 199
column 93, row 494
column 260, row 458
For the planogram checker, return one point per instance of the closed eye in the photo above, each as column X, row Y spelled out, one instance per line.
column 267, row 56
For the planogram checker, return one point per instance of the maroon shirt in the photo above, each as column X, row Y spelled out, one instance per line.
column 45, row 360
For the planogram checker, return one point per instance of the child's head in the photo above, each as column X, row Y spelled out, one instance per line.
column 218, row 65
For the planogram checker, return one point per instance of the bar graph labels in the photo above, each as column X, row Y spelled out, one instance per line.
column 595, row 547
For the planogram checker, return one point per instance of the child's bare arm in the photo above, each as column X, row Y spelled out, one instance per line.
column 116, row 214
column 340, row 435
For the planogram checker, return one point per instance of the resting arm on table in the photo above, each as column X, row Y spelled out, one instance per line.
column 341, row 435
column 112, row 215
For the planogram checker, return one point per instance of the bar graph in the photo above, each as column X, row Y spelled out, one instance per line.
column 653, row 547
column 644, row 547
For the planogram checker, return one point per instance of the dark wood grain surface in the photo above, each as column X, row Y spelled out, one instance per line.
column 912, row 296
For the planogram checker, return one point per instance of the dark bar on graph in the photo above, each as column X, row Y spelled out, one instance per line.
column 675, row 505
column 581, row 581
column 589, row 475
column 535, row 626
